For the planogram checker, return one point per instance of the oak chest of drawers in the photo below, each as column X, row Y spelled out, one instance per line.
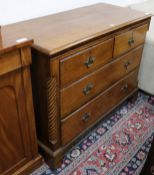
column 18, row 141
column 85, row 63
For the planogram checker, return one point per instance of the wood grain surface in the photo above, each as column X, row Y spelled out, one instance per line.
column 100, row 80
column 54, row 33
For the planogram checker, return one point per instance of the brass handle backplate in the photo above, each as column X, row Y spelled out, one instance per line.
column 88, row 88
column 125, row 87
column 89, row 62
column 127, row 64
column 131, row 42
column 86, row 117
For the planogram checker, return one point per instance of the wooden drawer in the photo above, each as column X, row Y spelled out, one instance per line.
column 86, row 88
column 128, row 40
column 10, row 61
column 76, row 66
column 87, row 115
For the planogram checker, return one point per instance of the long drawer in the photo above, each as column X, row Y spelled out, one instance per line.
column 76, row 66
column 85, row 89
column 87, row 115
column 130, row 39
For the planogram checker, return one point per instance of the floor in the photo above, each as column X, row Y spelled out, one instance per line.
column 118, row 145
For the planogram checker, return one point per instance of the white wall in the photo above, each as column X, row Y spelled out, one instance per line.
column 18, row 10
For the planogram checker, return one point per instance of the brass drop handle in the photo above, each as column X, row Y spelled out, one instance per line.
column 88, row 88
column 127, row 64
column 125, row 87
column 89, row 62
column 86, row 117
column 131, row 41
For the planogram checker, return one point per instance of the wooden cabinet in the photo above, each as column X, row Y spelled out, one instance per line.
column 18, row 142
column 85, row 63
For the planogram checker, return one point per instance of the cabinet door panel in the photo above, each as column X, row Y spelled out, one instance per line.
column 14, row 149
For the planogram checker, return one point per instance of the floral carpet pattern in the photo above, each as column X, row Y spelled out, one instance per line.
column 119, row 145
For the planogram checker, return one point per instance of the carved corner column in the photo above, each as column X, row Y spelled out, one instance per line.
column 52, row 90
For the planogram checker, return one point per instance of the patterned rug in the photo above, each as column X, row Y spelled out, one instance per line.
column 117, row 146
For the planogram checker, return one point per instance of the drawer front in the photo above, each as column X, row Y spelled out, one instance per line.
column 128, row 40
column 85, row 89
column 76, row 66
column 87, row 115
column 10, row 61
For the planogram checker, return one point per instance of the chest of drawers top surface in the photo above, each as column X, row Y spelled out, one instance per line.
column 58, row 32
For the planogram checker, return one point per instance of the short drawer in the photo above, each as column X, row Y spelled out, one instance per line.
column 76, row 66
column 128, row 40
column 88, row 87
column 10, row 61
column 87, row 115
